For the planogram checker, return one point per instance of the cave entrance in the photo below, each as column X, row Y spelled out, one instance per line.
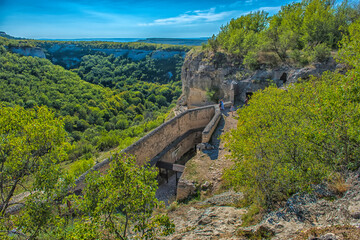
column 283, row 78
column 249, row 95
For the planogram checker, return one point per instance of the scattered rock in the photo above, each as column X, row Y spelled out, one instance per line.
column 185, row 189
column 328, row 236
column 229, row 198
column 206, row 185
column 204, row 146
column 354, row 210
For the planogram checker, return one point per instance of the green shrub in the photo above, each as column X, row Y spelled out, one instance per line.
column 107, row 141
column 251, row 60
column 81, row 166
column 321, row 52
column 213, row 94
column 122, row 124
column 286, row 141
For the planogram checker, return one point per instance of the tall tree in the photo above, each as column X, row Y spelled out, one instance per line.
column 31, row 143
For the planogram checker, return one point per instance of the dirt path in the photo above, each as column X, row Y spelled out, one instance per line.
column 208, row 165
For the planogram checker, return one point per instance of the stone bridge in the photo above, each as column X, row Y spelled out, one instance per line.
column 168, row 142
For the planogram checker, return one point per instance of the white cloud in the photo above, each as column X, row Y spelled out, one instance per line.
column 191, row 17
column 269, row 9
column 209, row 15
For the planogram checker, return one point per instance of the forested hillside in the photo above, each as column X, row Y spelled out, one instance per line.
column 120, row 72
column 123, row 99
column 50, row 115
column 287, row 141
column 300, row 33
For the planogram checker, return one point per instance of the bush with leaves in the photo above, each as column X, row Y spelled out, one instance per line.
column 311, row 27
column 122, row 202
column 32, row 143
column 286, row 141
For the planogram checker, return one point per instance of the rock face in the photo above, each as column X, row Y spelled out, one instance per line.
column 29, row 51
column 201, row 73
column 217, row 218
column 303, row 211
column 204, row 72
column 70, row 55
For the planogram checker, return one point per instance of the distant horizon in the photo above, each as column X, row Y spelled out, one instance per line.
column 83, row 19
column 90, row 38
column 190, row 38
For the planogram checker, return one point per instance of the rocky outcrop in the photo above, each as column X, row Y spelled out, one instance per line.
column 320, row 215
column 29, row 51
column 219, row 74
column 69, row 55
column 304, row 211
column 201, row 74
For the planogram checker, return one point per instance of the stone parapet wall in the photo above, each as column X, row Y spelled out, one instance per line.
column 151, row 145
column 210, row 128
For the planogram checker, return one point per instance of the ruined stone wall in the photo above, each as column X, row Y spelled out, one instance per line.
column 154, row 142
column 184, row 144
column 151, row 145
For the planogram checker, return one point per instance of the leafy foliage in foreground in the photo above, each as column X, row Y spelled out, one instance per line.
column 114, row 205
column 32, row 143
column 286, row 141
column 123, row 200
column 117, row 205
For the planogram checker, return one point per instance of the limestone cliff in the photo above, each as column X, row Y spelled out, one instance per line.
column 204, row 72
column 69, row 55
column 29, row 51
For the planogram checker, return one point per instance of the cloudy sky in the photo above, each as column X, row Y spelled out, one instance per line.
column 61, row 19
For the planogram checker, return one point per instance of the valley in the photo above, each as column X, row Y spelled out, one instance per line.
column 257, row 131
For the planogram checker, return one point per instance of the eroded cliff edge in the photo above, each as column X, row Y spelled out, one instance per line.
column 208, row 76
column 69, row 55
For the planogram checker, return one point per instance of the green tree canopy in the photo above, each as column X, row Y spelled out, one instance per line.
column 32, row 143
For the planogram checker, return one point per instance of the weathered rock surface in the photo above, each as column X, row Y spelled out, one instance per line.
column 201, row 73
column 29, row 51
column 305, row 211
column 185, row 189
column 69, row 55
column 204, row 72
column 219, row 222
column 210, row 219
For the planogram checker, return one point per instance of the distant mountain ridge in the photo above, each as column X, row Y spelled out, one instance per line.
column 171, row 41
column 176, row 41
column 5, row 35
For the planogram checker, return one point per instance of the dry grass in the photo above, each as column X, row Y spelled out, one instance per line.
column 338, row 185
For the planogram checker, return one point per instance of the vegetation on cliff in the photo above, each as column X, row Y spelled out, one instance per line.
column 11, row 42
column 287, row 141
column 300, row 33
column 120, row 72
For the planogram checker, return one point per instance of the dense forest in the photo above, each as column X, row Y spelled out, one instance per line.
column 13, row 42
column 106, row 102
column 299, row 34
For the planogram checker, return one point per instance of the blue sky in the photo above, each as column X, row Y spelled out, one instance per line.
column 54, row 19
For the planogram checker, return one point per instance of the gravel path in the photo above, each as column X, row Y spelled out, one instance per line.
column 167, row 191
